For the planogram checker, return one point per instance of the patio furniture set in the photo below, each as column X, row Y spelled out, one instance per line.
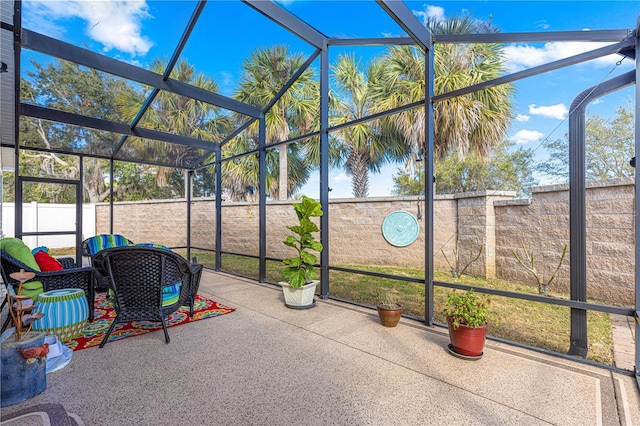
column 146, row 282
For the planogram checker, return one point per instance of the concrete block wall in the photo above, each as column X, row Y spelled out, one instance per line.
column 542, row 223
column 160, row 222
column 355, row 232
column 476, row 231
column 490, row 219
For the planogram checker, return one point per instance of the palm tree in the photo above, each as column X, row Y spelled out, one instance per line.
column 363, row 147
column 176, row 114
column 265, row 73
column 240, row 176
column 475, row 121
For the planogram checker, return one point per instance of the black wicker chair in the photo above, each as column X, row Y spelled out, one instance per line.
column 138, row 276
column 69, row 277
column 93, row 245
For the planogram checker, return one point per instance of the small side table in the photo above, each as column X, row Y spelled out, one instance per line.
column 65, row 313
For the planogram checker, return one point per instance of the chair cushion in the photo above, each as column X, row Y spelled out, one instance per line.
column 171, row 294
column 152, row 245
column 103, row 241
column 41, row 248
column 47, row 262
column 17, row 249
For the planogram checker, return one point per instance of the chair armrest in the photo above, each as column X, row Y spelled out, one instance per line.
column 196, row 275
column 68, row 278
column 67, row 262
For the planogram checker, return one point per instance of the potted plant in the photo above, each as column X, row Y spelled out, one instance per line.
column 468, row 317
column 300, row 287
column 389, row 312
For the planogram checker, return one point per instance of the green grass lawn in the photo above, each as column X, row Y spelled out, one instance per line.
column 532, row 323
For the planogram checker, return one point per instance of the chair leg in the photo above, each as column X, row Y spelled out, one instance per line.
column 104, row 341
column 166, row 333
column 92, row 307
column 6, row 323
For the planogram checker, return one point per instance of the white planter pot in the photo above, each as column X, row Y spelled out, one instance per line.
column 299, row 297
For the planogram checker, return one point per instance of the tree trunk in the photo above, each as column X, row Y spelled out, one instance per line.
column 283, row 183
column 359, row 174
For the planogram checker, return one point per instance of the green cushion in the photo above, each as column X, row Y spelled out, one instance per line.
column 171, row 294
column 18, row 250
column 33, row 294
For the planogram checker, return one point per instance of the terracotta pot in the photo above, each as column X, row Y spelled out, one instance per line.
column 467, row 341
column 389, row 317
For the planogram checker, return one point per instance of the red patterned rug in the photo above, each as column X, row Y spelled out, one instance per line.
column 95, row 331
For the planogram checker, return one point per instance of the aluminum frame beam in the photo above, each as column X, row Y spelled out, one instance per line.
column 376, row 41
column 43, row 113
column 408, row 22
column 324, row 172
column 637, row 205
column 167, row 72
column 78, row 55
column 533, row 37
column 429, row 189
column 292, row 80
column 288, row 21
column 577, row 206
column 551, row 66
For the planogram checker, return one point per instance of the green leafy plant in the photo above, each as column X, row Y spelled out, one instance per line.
column 299, row 269
column 467, row 308
column 543, row 286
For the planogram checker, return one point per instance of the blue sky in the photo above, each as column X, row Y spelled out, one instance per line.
column 139, row 31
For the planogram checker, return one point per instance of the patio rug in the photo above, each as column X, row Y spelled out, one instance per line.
column 95, row 331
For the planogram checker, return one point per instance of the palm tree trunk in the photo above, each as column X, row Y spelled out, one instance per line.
column 283, row 184
column 185, row 173
column 359, row 175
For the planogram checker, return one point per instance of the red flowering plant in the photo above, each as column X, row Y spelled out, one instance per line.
column 467, row 308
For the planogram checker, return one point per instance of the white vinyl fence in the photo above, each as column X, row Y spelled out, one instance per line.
column 39, row 217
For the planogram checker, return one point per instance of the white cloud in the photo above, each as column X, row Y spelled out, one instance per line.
column 434, row 12
column 342, row 177
column 543, row 24
column 558, row 111
column 526, row 136
column 116, row 24
column 523, row 56
column 226, row 82
column 522, row 118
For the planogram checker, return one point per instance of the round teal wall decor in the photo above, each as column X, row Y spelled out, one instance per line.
column 400, row 228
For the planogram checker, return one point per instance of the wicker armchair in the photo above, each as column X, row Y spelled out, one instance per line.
column 93, row 245
column 138, row 276
column 69, row 277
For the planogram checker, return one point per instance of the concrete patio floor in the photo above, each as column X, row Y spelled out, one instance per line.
column 334, row 364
